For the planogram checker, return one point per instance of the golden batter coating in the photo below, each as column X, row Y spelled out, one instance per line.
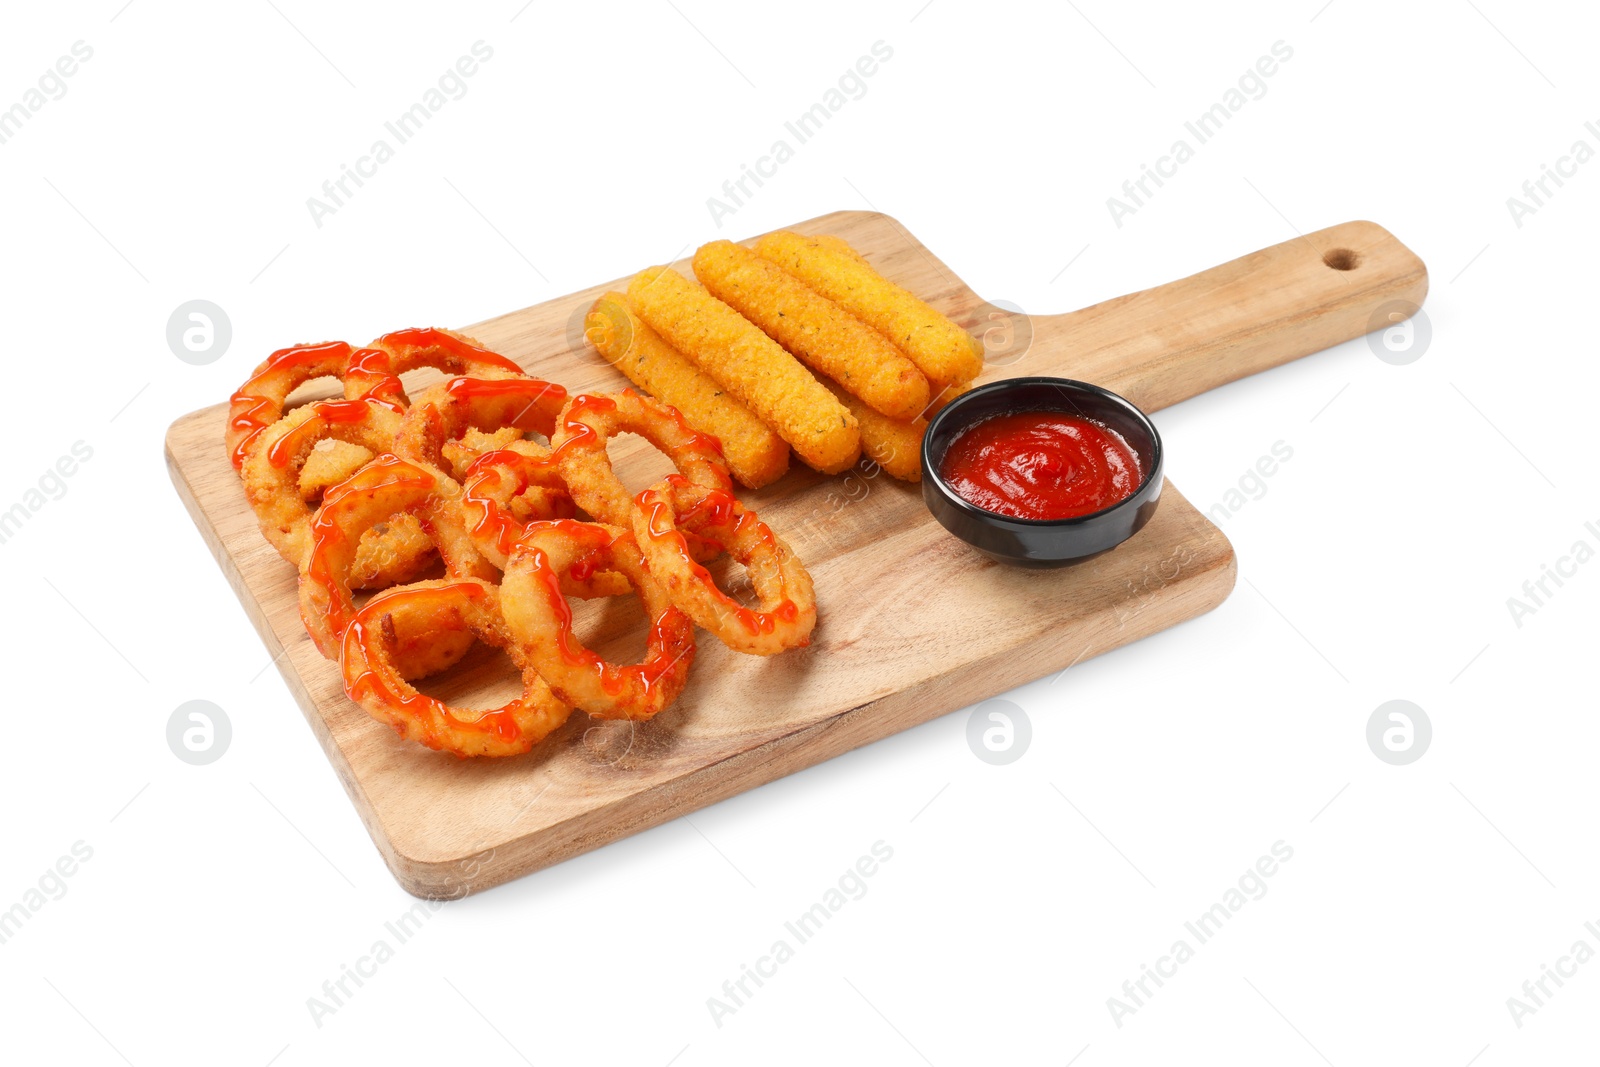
column 750, row 365
column 945, row 352
column 942, row 396
column 893, row 444
column 755, row 454
column 816, row 330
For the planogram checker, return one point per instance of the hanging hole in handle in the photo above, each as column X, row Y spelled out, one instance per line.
column 1341, row 259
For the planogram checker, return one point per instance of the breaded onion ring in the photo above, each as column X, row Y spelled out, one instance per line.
column 275, row 457
column 259, row 402
column 374, row 646
column 444, row 413
column 462, row 452
column 587, row 423
column 330, row 463
column 788, row 603
column 445, row 350
column 371, row 373
column 387, row 486
column 540, row 619
column 505, row 490
column 508, row 490
column 393, row 552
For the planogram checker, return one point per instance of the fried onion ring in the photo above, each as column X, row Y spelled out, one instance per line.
column 444, row 413
column 539, row 617
column 374, row 646
column 588, row 423
column 389, row 553
column 371, row 373
column 788, row 603
column 387, row 486
column 463, row 451
column 505, row 492
column 260, row 402
column 274, row 459
column 445, row 350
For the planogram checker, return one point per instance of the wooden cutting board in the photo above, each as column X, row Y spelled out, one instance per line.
column 914, row 624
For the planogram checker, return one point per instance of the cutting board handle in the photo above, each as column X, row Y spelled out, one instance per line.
column 1178, row 340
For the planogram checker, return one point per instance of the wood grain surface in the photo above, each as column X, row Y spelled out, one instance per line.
column 913, row 623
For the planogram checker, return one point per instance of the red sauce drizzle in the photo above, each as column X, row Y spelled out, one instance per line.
column 323, row 414
column 491, row 522
column 327, row 534
column 374, row 365
column 578, row 430
column 704, row 442
column 426, row 337
column 301, row 355
column 531, row 388
column 251, row 411
column 376, row 683
column 251, row 414
column 571, row 651
column 584, row 566
column 717, row 505
column 485, row 481
column 612, row 678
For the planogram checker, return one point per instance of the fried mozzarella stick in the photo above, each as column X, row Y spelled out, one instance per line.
column 839, row 245
column 750, row 365
column 942, row 395
column 945, row 352
column 816, row 330
column 893, row 444
column 755, row 454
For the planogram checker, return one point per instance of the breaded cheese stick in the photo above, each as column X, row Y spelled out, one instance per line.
column 893, row 444
column 942, row 395
column 816, row 330
column 945, row 352
column 750, row 365
column 839, row 245
column 755, row 454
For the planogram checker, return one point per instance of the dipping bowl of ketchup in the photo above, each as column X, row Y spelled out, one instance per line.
column 1041, row 472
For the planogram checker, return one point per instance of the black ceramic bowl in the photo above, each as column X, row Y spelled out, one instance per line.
column 1041, row 542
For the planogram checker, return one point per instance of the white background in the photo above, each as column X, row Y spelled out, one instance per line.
column 1376, row 565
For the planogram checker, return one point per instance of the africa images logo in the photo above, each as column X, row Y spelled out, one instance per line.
column 850, row 885
column 1252, row 85
column 1251, row 885
column 451, row 85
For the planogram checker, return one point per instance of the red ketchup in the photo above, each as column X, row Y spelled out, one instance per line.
column 1041, row 465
